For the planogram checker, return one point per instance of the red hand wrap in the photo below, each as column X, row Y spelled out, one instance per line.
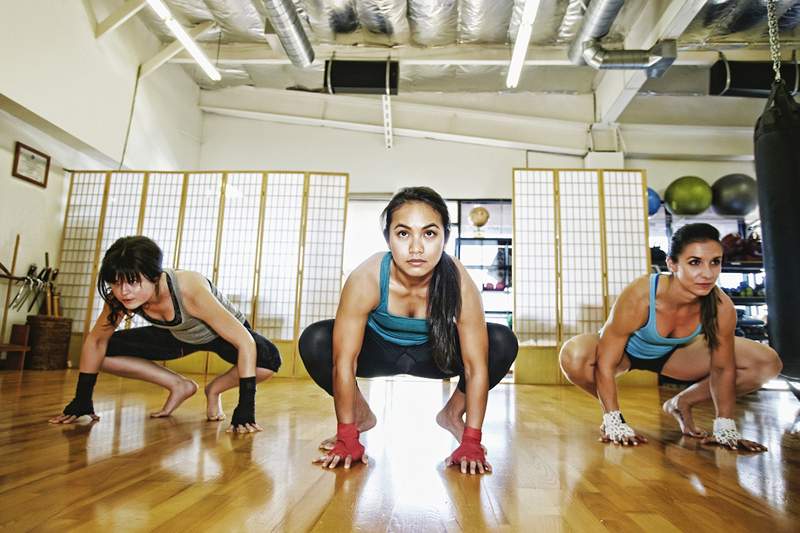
column 347, row 442
column 470, row 448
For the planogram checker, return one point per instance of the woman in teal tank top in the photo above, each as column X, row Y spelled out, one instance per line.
column 682, row 326
column 413, row 310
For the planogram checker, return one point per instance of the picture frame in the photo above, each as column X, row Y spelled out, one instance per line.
column 30, row 165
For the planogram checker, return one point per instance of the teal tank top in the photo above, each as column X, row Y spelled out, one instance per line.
column 646, row 343
column 400, row 330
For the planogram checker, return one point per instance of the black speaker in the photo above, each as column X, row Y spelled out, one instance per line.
column 361, row 77
column 748, row 78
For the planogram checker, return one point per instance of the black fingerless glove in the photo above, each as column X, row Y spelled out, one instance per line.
column 245, row 412
column 82, row 403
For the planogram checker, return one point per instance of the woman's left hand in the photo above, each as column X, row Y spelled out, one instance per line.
column 740, row 444
column 470, row 466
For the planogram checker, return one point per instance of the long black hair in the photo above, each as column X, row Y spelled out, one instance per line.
column 444, row 291
column 688, row 234
column 128, row 259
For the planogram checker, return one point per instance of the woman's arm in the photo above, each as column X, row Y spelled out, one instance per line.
column 474, row 341
column 201, row 303
column 93, row 352
column 360, row 295
column 723, row 365
column 627, row 315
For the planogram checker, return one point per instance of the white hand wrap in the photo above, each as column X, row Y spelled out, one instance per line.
column 615, row 427
column 725, row 432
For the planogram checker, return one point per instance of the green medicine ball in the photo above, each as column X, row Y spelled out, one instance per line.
column 688, row 195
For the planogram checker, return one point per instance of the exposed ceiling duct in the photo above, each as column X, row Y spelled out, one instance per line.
column 433, row 22
column 587, row 50
column 741, row 21
column 282, row 14
column 573, row 17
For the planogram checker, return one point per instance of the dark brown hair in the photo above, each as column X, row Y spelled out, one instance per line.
column 128, row 259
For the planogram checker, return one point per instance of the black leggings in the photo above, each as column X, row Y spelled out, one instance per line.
column 158, row 344
column 380, row 357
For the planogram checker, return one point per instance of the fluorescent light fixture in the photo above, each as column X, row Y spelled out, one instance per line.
column 188, row 43
column 521, row 42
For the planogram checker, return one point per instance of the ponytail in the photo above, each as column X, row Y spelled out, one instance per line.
column 444, row 307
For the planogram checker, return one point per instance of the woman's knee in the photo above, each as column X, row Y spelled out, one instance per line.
column 316, row 342
column 768, row 363
column 503, row 344
column 576, row 356
column 758, row 358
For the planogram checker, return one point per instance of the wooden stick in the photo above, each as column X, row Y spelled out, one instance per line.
column 8, row 289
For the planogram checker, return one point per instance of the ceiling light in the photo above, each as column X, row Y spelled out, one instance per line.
column 188, row 43
column 521, row 42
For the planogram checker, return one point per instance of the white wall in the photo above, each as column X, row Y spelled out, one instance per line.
column 455, row 170
column 54, row 67
column 660, row 173
column 36, row 214
column 68, row 94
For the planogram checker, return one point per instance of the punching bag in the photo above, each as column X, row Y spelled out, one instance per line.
column 777, row 155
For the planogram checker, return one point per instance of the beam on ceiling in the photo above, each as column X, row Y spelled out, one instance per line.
column 617, row 88
column 119, row 17
column 175, row 47
column 488, row 55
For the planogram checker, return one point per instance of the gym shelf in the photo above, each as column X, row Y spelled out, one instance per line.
column 743, row 267
column 749, row 300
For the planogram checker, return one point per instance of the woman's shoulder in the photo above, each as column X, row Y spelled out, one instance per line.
column 368, row 272
column 638, row 288
column 189, row 282
column 634, row 300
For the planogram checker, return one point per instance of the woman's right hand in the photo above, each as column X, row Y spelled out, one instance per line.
column 347, row 448
column 616, row 430
column 73, row 411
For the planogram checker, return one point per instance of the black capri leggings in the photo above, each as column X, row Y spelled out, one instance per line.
column 379, row 357
column 158, row 344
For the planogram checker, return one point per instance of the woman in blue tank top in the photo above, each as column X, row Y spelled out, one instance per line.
column 682, row 326
column 186, row 314
column 414, row 310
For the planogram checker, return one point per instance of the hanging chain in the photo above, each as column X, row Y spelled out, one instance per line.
column 774, row 42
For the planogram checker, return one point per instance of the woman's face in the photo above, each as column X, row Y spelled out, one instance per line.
column 416, row 238
column 698, row 266
column 133, row 295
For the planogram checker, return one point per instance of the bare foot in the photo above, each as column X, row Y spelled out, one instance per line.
column 364, row 424
column 683, row 414
column 214, row 412
column 455, row 425
column 177, row 395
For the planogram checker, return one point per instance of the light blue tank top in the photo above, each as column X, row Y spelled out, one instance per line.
column 646, row 343
column 400, row 330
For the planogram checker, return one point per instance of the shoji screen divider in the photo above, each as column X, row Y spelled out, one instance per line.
column 579, row 237
column 253, row 233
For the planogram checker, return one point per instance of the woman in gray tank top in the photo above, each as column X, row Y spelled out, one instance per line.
column 187, row 314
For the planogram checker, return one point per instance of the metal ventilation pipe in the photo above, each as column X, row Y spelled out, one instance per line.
column 587, row 50
column 282, row 15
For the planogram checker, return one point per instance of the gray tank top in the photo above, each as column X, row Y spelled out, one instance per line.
column 184, row 326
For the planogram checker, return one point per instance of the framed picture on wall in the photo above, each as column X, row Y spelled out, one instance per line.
column 30, row 164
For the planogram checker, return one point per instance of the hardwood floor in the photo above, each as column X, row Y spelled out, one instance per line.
column 128, row 472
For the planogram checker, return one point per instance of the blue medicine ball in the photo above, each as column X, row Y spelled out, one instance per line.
column 653, row 202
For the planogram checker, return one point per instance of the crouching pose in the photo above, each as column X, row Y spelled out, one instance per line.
column 412, row 310
column 682, row 326
column 187, row 313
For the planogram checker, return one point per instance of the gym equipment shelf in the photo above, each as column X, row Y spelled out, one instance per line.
column 749, row 300
column 743, row 267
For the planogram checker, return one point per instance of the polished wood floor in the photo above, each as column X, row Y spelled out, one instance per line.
column 128, row 472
